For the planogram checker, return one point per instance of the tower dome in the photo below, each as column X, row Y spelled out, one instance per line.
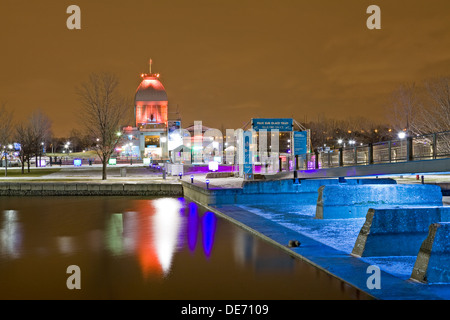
column 150, row 89
column 150, row 103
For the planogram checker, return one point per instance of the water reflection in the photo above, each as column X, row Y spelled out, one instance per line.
column 156, row 229
column 134, row 248
column 192, row 226
column 209, row 229
column 11, row 234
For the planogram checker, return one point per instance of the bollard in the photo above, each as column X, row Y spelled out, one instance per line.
column 422, row 180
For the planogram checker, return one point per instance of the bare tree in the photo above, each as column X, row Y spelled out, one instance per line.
column 24, row 136
column 5, row 132
column 104, row 111
column 40, row 125
column 405, row 110
column 31, row 135
column 436, row 113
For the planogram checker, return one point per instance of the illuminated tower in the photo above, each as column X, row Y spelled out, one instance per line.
column 151, row 115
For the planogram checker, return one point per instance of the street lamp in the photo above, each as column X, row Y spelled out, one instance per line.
column 401, row 135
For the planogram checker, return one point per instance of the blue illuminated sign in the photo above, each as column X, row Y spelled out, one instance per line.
column 300, row 142
column 282, row 124
column 248, row 165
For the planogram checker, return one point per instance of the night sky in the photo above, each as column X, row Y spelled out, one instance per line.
column 223, row 62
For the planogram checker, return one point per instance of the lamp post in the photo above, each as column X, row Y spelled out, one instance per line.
column 130, row 145
column 6, row 160
column 402, row 135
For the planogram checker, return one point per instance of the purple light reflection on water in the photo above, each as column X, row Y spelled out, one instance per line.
column 192, row 226
column 205, row 224
column 209, row 229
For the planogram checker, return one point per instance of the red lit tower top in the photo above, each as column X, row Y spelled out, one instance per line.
column 150, row 107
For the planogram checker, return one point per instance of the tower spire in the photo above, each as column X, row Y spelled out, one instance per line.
column 150, row 65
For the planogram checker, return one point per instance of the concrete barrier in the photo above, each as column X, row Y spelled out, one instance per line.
column 284, row 191
column 396, row 231
column 433, row 260
column 353, row 201
column 89, row 189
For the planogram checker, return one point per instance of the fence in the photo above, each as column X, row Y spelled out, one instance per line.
column 424, row 147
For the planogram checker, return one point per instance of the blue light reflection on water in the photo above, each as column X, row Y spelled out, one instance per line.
column 192, row 226
column 209, row 229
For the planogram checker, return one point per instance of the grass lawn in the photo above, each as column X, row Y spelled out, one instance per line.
column 84, row 155
column 34, row 172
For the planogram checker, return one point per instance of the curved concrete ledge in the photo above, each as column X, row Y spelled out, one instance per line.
column 353, row 201
column 396, row 231
column 89, row 189
column 433, row 261
column 284, row 191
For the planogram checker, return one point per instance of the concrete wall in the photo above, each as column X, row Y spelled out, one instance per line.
column 353, row 201
column 433, row 260
column 88, row 188
column 397, row 231
column 269, row 192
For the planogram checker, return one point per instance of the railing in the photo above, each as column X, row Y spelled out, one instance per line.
column 425, row 147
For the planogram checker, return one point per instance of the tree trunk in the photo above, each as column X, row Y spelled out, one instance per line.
column 6, row 165
column 104, row 170
column 23, row 165
column 28, row 163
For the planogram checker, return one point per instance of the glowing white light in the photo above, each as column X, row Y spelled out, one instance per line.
column 213, row 165
column 401, row 135
column 166, row 227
